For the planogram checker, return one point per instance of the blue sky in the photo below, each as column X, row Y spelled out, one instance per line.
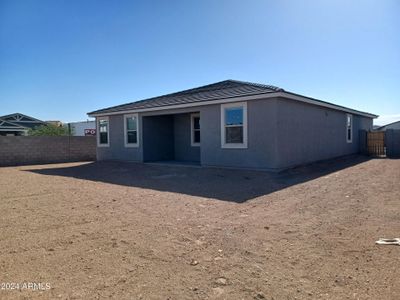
column 61, row 59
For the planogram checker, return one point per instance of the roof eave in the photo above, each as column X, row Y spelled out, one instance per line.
column 322, row 103
column 282, row 94
column 186, row 105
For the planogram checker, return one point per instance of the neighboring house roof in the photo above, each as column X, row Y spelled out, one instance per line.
column 387, row 125
column 220, row 92
column 9, row 126
column 22, row 120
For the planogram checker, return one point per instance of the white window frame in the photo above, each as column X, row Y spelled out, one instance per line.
column 351, row 128
column 130, row 145
column 98, row 131
column 223, row 137
column 192, row 143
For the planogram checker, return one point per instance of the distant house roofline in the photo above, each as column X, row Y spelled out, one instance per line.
column 25, row 116
column 18, row 122
column 217, row 93
column 380, row 127
column 5, row 126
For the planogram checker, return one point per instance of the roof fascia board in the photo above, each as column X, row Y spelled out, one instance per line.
column 281, row 94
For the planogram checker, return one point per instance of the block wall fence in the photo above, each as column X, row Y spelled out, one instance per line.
column 26, row 150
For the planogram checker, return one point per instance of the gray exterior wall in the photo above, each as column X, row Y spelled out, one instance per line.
column 261, row 152
column 310, row 133
column 281, row 133
column 392, row 137
column 183, row 149
column 117, row 149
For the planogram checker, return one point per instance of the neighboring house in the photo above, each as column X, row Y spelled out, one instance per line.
column 394, row 125
column 85, row 128
column 375, row 127
column 230, row 124
column 17, row 124
column 55, row 123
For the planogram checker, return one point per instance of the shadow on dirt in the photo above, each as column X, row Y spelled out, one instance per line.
column 222, row 184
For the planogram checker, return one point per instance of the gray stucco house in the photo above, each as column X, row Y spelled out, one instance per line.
column 230, row 124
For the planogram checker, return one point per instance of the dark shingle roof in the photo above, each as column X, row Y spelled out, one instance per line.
column 228, row 89
column 220, row 90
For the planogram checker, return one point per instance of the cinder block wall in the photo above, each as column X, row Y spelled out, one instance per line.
column 25, row 150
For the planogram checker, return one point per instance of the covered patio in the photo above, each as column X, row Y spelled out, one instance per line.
column 172, row 138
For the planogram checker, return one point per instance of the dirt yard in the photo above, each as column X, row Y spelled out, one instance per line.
column 132, row 231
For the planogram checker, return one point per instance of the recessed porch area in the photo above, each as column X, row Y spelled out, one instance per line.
column 172, row 138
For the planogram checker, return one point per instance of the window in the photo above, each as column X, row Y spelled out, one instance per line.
column 195, row 129
column 234, row 125
column 103, row 130
column 349, row 128
column 131, row 130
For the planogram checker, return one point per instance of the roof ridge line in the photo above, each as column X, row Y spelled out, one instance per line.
column 205, row 88
column 269, row 86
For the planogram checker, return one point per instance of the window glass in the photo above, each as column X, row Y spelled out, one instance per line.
column 131, row 123
column 195, row 130
column 103, row 138
column 349, row 129
column 234, row 116
column 132, row 137
column 103, row 124
column 196, row 138
column 234, row 125
column 234, row 135
column 348, row 121
column 196, row 122
column 103, row 131
column 131, row 130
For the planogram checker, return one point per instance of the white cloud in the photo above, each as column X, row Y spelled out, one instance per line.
column 386, row 119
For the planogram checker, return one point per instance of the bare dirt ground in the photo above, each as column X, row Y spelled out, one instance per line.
column 132, row 231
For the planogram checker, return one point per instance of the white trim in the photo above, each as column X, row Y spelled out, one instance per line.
column 98, row 131
column 242, row 98
column 131, row 145
column 223, row 141
column 351, row 128
column 192, row 143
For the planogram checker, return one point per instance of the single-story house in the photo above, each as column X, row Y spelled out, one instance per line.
column 393, row 125
column 229, row 124
column 17, row 124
